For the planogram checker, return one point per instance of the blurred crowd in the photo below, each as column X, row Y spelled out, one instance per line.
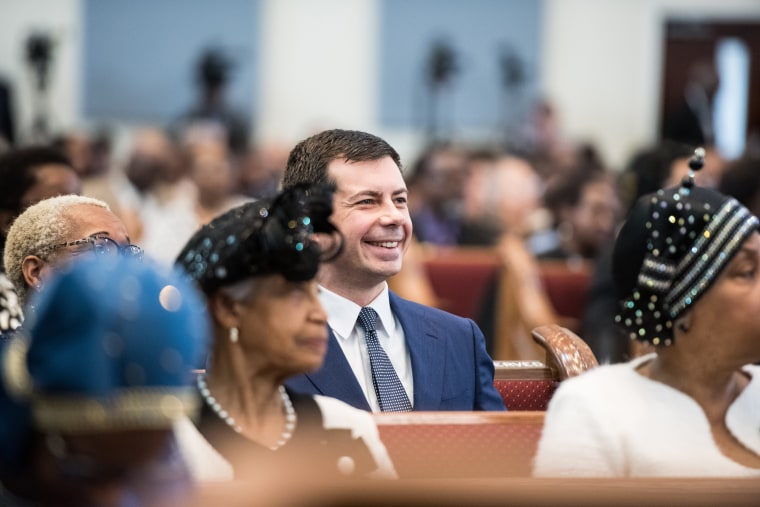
column 298, row 256
column 542, row 194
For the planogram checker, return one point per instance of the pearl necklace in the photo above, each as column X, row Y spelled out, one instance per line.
column 290, row 413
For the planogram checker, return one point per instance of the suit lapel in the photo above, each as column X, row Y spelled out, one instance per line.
column 427, row 351
column 336, row 379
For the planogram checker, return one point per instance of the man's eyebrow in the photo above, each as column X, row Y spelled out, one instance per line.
column 376, row 193
column 371, row 193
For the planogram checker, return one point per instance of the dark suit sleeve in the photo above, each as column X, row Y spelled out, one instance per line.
column 486, row 395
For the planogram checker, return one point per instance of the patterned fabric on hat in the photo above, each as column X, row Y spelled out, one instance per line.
column 263, row 237
column 673, row 245
column 111, row 344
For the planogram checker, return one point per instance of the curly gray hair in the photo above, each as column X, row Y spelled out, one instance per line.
column 45, row 223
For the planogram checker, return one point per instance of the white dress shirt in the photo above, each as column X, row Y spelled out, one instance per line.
column 343, row 316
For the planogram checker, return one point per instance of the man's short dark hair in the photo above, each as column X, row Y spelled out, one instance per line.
column 308, row 160
column 17, row 172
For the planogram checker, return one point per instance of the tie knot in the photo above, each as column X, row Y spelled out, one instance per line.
column 367, row 318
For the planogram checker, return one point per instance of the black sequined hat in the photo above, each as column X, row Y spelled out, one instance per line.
column 672, row 247
column 264, row 237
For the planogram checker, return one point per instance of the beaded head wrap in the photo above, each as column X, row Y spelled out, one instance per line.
column 672, row 247
column 264, row 237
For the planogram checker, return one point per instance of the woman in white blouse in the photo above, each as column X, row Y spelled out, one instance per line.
column 687, row 269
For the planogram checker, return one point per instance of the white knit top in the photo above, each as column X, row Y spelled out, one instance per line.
column 614, row 422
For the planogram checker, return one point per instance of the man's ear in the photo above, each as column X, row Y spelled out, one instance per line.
column 31, row 267
column 223, row 310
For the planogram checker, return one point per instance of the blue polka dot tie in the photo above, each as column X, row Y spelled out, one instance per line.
column 390, row 392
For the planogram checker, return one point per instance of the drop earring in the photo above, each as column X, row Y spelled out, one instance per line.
column 233, row 335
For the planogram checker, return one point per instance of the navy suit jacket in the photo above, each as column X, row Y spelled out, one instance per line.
column 450, row 365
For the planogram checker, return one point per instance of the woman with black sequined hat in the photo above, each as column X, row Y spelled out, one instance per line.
column 687, row 268
column 257, row 265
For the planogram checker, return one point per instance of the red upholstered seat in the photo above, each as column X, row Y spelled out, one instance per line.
column 529, row 394
column 525, row 385
column 566, row 285
column 460, row 277
column 461, row 444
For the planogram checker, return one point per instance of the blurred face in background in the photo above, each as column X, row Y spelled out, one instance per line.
column 51, row 180
column 595, row 216
column 514, row 194
column 212, row 172
column 445, row 179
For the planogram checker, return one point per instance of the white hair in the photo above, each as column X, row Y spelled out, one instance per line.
column 41, row 225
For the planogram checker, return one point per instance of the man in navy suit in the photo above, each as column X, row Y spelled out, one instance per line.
column 439, row 358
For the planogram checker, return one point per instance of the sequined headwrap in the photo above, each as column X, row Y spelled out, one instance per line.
column 672, row 247
column 264, row 237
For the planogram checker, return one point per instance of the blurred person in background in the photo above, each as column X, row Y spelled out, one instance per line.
column 212, row 113
column 90, row 153
column 90, row 392
column 7, row 119
column 214, row 173
column 741, row 180
column 261, row 171
column 162, row 193
column 28, row 175
column 436, row 187
column 478, row 221
column 257, row 264
column 586, row 209
column 504, row 196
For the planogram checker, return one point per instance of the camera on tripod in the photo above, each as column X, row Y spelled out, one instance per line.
column 39, row 54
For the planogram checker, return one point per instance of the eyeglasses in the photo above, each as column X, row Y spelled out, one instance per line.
column 103, row 245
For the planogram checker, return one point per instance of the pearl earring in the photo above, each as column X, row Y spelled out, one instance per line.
column 233, row 335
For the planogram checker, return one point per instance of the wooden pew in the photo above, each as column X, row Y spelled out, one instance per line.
column 566, row 352
column 529, row 385
column 497, row 492
column 461, row 444
column 525, row 385
column 461, row 276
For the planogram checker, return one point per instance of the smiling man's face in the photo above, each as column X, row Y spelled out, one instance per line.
column 370, row 209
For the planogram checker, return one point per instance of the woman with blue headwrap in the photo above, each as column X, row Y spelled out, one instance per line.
column 92, row 387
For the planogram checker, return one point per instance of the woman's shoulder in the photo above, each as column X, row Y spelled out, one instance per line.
column 339, row 414
column 204, row 462
column 609, row 378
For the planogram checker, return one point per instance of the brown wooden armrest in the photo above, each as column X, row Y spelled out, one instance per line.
column 565, row 351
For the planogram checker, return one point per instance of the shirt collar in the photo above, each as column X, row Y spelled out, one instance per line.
column 342, row 313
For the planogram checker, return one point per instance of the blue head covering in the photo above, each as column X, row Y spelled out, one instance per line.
column 110, row 345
